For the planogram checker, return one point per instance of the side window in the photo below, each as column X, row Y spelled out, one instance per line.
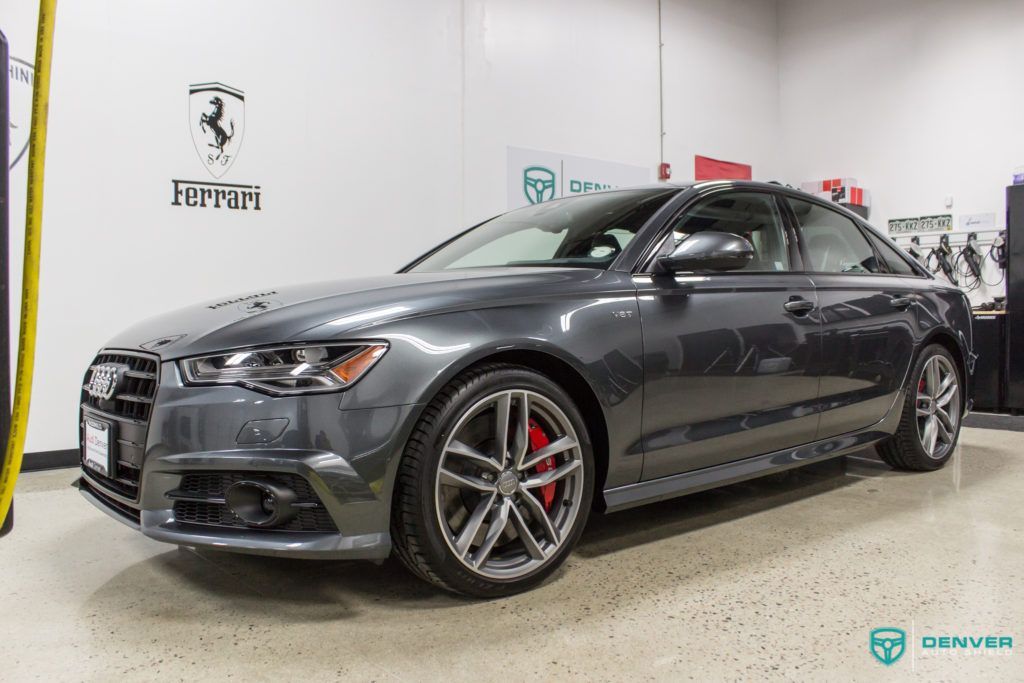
column 896, row 263
column 752, row 215
column 834, row 243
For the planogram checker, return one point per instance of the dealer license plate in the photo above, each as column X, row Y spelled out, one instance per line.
column 97, row 446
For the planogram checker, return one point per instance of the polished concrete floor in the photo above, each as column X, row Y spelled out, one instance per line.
column 781, row 578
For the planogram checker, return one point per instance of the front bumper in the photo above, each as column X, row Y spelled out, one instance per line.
column 347, row 457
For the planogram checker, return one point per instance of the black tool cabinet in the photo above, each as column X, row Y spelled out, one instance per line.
column 989, row 343
column 1013, row 349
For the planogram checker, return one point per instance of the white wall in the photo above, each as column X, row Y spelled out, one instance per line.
column 574, row 77
column 721, row 85
column 917, row 99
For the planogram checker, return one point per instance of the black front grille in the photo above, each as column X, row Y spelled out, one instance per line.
column 134, row 396
column 125, row 480
column 128, row 413
column 200, row 500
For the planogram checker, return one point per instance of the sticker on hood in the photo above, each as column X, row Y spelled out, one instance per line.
column 240, row 300
column 258, row 306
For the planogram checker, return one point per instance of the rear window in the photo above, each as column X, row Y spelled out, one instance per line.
column 834, row 243
column 891, row 256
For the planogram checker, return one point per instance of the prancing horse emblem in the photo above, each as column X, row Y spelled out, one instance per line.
column 213, row 121
column 217, row 123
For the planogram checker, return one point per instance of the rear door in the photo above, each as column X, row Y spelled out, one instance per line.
column 730, row 359
column 867, row 316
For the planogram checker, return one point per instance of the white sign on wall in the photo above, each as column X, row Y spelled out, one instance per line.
column 536, row 176
column 977, row 221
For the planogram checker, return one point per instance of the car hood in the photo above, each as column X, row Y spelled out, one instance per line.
column 337, row 309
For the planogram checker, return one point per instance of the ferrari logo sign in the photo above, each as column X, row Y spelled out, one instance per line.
column 217, row 121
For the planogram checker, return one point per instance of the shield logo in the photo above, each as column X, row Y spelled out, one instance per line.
column 216, row 114
column 538, row 184
column 888, row 644
column 22, row 74
column 161, row 342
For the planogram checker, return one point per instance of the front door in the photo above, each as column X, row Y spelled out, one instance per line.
column 729, row 358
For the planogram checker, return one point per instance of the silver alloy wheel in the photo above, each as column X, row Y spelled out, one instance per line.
column 489, row 491
column 938, row 406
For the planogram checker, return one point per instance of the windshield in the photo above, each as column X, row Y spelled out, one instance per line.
column 586, row 231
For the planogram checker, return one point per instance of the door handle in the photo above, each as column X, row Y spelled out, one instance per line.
column 798, row 306
column 900, row 301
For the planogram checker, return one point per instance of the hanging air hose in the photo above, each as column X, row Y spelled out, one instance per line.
column 30, row 274
column 968, row 263
column 940, row 255
column 997, row 252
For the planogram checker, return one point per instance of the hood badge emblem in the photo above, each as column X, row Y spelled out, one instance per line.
column 161, row 342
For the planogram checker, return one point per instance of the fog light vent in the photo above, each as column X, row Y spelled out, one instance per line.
column 262, row 503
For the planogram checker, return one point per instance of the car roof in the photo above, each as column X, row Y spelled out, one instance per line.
column 772, row 186
column 701, row 184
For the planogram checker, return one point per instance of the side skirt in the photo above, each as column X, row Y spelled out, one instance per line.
column 641, row 493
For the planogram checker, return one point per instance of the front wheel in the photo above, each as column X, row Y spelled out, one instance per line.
column 495, row 484
column 930, row 424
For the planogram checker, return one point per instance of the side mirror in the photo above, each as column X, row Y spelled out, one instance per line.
column 708, row 250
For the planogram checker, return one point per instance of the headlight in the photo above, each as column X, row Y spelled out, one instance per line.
column 286, row 370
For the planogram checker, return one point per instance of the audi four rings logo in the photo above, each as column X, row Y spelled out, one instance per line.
column 104, row 381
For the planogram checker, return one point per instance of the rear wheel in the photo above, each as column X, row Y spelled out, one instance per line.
column 930, row 424
column 495, row 484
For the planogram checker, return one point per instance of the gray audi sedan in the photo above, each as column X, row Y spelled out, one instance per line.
column 470, row 412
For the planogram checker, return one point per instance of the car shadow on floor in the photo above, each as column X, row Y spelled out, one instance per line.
column 677, row 516
column 318, row 583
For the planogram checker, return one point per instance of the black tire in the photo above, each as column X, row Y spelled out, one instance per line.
column 904, row 449
column 416, row 532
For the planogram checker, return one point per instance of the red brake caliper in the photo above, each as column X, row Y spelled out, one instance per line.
column 538, row 439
